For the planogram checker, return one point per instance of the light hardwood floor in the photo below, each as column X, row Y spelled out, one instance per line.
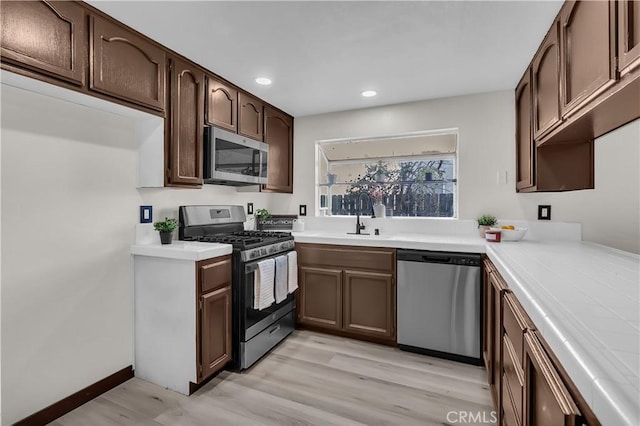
column 310, row 379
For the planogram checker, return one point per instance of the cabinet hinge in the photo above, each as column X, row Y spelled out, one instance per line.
column 200, row 371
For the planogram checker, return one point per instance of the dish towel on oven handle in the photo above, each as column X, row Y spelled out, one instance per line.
column 281, row 278
column 263, row 284
column 292, row 265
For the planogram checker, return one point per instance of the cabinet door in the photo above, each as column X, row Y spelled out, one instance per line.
column 249, row 116
column 588, row 51
column 525, row 158
column 185, row 124
column 125, row 65
column 48, row 37
column 546, row 84
column 215, row 331
column 320, row 297
column 369, row 303
column 628, row 35
column 546, row 400
column 498, row 290
column 222, row 105
column 487, row 320
column 278, row 133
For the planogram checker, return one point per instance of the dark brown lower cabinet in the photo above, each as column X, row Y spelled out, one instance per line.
column 369, row 300
column 348, row 290
column 320, row 297
column 546, row 399
column 498, row 289
column 214, row 319
column 216, row 331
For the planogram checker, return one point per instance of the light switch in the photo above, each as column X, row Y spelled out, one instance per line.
column 146, row 214
column 544, row 212
column 303, row 210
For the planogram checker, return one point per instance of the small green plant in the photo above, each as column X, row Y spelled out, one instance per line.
column 487, row 220
column 262, row 214
column 166, row 225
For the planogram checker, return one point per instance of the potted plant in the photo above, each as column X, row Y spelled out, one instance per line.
column 165, row 228
column 261, row 215
column 485, row 222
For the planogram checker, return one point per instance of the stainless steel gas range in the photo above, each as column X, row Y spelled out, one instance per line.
column 255, row 331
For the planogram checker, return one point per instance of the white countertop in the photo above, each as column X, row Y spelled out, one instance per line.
column 455, row 243
column 584, row 299
column 184, row 250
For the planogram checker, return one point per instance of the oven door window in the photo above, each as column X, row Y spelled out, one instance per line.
column 237, row 159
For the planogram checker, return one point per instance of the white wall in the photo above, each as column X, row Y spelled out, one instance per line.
column 609, row 213
column 69, row 209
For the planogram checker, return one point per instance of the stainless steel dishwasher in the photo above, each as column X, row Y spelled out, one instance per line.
column 439, row 304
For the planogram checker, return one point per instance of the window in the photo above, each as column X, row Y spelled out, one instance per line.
column 411, row 175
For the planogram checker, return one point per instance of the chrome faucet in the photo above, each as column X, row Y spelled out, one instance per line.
column 360, row 226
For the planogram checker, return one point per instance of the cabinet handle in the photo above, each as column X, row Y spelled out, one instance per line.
column 274, row 329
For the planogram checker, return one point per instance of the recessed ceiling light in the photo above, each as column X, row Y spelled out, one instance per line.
column 263, row 81
column 369, row 93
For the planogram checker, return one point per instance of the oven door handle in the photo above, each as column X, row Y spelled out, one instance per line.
column 250, row 267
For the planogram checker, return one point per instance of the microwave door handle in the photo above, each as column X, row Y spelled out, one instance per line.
column 255, row 166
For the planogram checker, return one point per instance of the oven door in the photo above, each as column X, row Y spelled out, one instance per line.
column 233, row 158
column 255, row 321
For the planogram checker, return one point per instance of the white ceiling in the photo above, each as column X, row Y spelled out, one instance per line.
column 322, row 55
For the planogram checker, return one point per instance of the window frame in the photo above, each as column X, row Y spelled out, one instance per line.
column 320, row 156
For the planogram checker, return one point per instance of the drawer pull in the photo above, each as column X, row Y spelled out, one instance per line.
column 274, row 329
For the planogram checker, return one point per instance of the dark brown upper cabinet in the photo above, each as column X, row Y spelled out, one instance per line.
column 546, row 84
column 184, row 124
column 525, row 153
column 588, row 51
column 249, row 116
column 222, row 105
column 278, row 133
column 628, row 35
column 47, row 37
column 125, row 65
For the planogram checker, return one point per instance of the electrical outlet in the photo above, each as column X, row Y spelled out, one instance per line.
column 249, row 208
column 544, row 212
column 303, row 210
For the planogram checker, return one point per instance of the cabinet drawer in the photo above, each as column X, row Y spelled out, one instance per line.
column 214, row 273
column 347, row 257
column 513, row 375
column 515, row 323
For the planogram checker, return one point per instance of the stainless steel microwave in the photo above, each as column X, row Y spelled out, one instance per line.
column 232, row 159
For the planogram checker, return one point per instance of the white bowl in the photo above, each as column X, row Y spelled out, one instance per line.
column 512, row 234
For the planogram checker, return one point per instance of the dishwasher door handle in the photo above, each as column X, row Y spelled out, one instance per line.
column 434, row 259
